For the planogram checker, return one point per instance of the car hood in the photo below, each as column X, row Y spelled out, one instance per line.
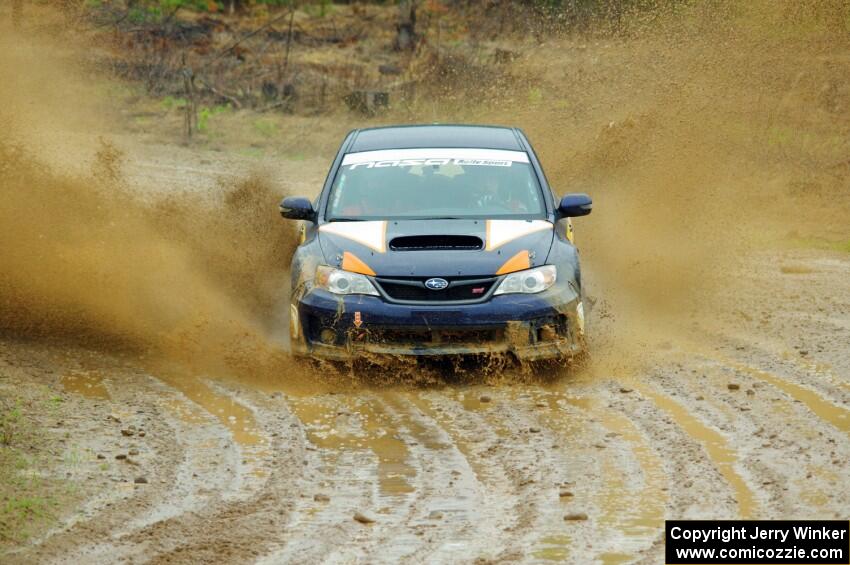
column 436, row 248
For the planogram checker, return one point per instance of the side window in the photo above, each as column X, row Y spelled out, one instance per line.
column 548, row 191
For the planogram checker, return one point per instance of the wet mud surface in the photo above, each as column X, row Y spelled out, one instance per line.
column 750, row 419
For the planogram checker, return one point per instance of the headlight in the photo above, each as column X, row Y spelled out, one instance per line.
column 530, row 281
column 338, row 281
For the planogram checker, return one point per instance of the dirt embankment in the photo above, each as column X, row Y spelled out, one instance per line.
column 145, row 317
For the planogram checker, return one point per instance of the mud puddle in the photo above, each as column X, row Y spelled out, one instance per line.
column 722, row 454
column 87, row 383
column 238, row 419
column 822, row 408
column 632, row 497
column 576, row 427
column 342, row 423
column 201, row 398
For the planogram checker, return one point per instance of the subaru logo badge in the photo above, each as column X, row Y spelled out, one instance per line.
column 436, row 284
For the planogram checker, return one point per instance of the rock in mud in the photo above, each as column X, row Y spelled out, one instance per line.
column 565, row 494
column 101, row 456
column 534, row 430
column 733, row 386
column 363, row 518
column 435, row 515
column 141, row 481
column 133, row 452
column 626, row 390
column 575, row 517
column 127, row 432
column 121, row 456
column 321, row 497
column 484, row 398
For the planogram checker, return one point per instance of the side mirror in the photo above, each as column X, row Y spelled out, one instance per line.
column 297, row 208
column 574, row 205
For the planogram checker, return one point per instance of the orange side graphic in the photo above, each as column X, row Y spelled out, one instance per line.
column 351, row 262
column 518, row 262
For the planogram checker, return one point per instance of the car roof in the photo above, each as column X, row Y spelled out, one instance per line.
column 435, row 135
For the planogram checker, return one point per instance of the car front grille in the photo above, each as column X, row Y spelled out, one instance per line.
column 459, row 289
column 435, row 336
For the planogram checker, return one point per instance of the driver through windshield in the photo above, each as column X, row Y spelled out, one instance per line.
column 435, row 183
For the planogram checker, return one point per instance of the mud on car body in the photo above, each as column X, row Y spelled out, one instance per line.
column 436, row 240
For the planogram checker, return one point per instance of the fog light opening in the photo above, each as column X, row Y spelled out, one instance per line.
column 328, row 336
column 546, row 333
column 580, row 318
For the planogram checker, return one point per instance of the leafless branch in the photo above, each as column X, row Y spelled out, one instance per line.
column 251, row 34
column 232, row 99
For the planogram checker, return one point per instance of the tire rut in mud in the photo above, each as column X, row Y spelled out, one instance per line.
column 240, row 523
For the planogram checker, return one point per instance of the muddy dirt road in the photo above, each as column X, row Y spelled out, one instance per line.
column 140, row 315
column 586, row 468
column 745, row 417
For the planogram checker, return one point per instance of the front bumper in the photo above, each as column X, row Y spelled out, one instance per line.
column 530, row 327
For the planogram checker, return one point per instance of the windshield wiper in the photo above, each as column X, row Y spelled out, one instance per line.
column 346, row 219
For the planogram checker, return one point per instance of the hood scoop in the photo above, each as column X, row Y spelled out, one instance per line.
column 436, row 243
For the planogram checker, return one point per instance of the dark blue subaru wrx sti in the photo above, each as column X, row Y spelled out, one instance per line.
column 436, row 240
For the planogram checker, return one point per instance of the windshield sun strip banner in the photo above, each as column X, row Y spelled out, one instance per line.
column 436, row 156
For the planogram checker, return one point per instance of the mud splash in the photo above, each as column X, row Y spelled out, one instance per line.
column 702, row 133
column 92, row 262
column 98, row 260
column 693, row 151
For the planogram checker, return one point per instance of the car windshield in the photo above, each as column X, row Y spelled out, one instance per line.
column 435, row 183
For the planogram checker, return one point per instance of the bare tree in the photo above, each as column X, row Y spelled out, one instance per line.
column 406, row 26
column 285, row 68
column 233, row 5
column 191, row 121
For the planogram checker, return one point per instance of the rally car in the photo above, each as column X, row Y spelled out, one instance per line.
column 436, row 240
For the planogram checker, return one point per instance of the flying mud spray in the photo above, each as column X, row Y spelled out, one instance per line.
column 89, row 258
column 702, row 132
